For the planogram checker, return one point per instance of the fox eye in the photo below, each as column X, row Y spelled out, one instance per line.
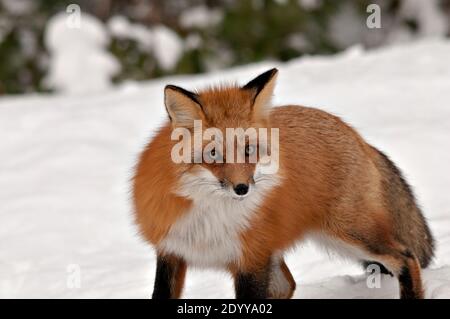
column 213, row 155
column 249, row 150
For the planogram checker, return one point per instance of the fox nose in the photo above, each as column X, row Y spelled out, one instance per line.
column 241, row 189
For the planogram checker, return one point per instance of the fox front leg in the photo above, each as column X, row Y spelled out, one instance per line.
column 253, row 284
column 169, row 279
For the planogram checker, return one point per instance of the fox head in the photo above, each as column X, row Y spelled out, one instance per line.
column 223, row 129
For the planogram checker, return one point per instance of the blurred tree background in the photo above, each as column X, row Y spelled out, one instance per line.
column 152, row 38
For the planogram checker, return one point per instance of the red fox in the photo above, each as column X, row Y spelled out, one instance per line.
column 330, row 186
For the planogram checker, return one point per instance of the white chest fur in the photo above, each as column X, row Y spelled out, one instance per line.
column 208, row 235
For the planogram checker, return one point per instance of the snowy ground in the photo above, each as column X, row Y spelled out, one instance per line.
column 65, row 162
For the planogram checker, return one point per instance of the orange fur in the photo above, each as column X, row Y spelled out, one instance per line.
column 332, row 182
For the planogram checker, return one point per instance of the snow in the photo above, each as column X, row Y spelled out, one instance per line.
column 166, row 46
column 310, row 4
column 121, row 27
column 347, row 26
column 18, row 7
column 65, row 215
column 432, row 20
column 80, row 62
column 200, row 17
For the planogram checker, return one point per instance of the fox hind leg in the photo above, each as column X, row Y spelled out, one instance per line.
column 409, row 277
column 404, row 265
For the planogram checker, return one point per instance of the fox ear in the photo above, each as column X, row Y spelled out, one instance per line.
column 262, row 88
column 182, row 106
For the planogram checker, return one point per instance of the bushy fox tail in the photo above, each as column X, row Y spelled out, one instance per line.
column 410, row 226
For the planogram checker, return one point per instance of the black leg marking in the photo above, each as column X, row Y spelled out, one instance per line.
column 406, row 284
column 163, row 280
column 410, row 288
column 252, row 285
